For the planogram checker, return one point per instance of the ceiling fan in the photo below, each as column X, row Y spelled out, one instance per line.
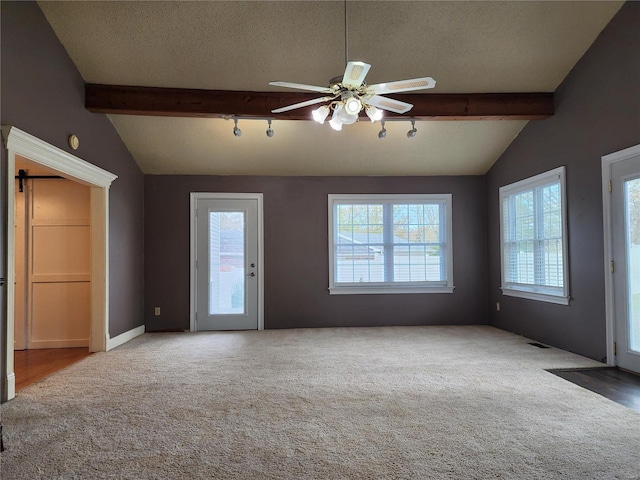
column 349, row 94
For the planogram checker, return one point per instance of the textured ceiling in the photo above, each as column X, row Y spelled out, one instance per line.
column 468, row 47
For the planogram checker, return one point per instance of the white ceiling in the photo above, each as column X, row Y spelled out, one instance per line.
column 468, row 47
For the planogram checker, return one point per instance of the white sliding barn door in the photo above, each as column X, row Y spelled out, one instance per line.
column 58, row 264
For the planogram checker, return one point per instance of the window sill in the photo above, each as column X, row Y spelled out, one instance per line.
column 387, row 290
column 542, row 297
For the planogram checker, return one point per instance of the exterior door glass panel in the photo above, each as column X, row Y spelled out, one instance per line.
column 226, row 263
column 632, row 207
column 625, row 223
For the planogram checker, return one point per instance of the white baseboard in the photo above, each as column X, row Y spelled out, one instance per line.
column 11, row 386
column 124, row 337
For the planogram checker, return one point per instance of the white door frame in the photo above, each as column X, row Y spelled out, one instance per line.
column 194, row 197
column 607, row 164
column 99, row 180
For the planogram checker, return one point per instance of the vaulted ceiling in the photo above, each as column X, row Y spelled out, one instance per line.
column 468, row 47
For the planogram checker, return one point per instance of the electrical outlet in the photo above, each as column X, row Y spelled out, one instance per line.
column 497, row 307
column 157, row 311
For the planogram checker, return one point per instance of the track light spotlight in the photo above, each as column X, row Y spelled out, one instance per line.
column 412, row 133
column 236, row 131
column 269, row 130
column 382, row 133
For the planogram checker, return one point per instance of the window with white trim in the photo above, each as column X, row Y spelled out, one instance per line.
column 533, row 238
column 390, row 244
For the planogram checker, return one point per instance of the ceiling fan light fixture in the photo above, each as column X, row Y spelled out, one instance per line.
column 373, row 113
column 350, row 87
column 352, row 105
column 347, row 118
column 236, row 131
column 320, row 114
column 270, row 131
column 336, row 122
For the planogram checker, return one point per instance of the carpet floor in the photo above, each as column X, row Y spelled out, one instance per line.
column 345, row 403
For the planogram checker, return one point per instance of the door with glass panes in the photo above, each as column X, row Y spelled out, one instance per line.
column 625, row 218
column 226, row 263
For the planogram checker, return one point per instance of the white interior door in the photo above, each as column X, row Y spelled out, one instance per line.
column 625, row 221
column 227, row 262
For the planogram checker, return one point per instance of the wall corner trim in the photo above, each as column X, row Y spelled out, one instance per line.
column 124, row 337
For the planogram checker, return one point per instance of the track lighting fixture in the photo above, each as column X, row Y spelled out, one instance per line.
column 382, row 133
column 339, row 117
column 236, row 130
column 412, row 133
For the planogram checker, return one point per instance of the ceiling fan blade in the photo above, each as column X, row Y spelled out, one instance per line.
column 403, row 85
column 302, row 104
column 301, row 86
column 390, row 104
column 354, row 74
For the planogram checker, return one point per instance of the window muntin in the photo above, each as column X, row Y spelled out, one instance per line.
column 390, row 243
column 533, row 238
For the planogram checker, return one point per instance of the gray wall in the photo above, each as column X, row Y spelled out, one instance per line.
column 43, row 94
column 597, row 112
column 296, row 252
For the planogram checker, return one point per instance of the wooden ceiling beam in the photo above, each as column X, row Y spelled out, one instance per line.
column 178, row 102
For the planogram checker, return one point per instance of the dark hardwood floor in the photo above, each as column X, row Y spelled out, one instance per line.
column 33, row 365
column 610, row 382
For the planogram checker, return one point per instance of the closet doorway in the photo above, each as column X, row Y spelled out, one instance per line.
column 21, row 145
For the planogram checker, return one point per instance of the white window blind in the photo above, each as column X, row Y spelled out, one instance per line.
column 390, row 243
column 533, row 238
